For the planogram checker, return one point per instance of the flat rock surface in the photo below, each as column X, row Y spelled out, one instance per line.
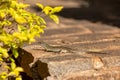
column 81, row 29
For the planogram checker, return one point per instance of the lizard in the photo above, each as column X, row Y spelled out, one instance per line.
column 62, row 49
column 47, row 47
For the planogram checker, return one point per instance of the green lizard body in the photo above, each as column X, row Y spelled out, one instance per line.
column 58, row 49
column 62, row 49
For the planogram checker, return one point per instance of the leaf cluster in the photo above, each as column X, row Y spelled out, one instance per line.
column 50, row 11
column 18, row 26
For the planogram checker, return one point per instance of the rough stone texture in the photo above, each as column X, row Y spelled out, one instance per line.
column 53, row 66
column 84, row 34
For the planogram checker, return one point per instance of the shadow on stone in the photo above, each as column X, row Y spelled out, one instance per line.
column 42, row 69
column 24, row 59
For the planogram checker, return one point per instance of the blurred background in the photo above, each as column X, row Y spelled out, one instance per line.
column 105, row 11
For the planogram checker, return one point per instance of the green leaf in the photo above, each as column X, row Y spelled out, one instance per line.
column 4, row 4
column 21, row 5
column 22, row 36
column 15, row 53
column 12, row 73
column 13, row 66
column 47, row 10
column 54, row 18
column 42, row 20
column 18, row 78
column 13, row 4
column 20, row 19
column 5, row 55
column 19, row 69
column 3, row 76
column 15, row 70
column 2, row 14
column 40, row 5
column 4, row 52
column 21, row 28
column 11, row 59
column 57, row 9
column 43, row 26
column 1, row 59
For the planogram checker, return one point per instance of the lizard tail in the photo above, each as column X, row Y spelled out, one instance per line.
column 93, row 52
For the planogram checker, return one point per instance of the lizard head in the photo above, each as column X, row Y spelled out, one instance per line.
column 44, row 44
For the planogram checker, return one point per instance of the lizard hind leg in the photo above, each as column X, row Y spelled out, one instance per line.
column 63, row 51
